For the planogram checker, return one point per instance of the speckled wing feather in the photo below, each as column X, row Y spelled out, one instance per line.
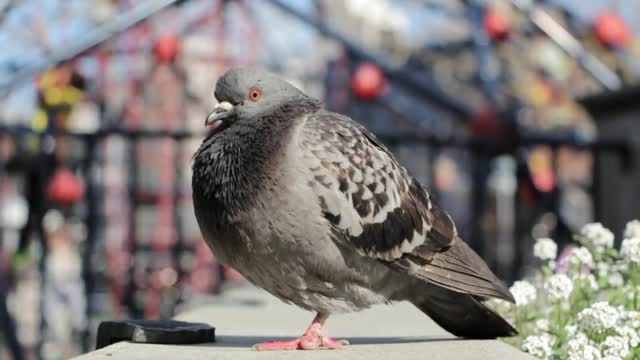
column 377, row 207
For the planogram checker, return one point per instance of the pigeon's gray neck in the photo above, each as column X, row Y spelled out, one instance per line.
column 232, row 168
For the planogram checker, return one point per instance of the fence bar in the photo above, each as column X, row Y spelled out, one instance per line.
column 624, row 146
column 135, row 312
column 92, row 198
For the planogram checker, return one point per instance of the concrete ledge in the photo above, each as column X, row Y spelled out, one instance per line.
column 248, row 316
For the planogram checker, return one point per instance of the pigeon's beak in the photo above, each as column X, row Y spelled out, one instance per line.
column 220, row 111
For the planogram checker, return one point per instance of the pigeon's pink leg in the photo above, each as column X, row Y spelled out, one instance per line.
column 310, row 340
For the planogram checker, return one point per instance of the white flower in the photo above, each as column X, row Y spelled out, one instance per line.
column 596, row 236
column 580, row 257
column 632, row 229
column 630, row 334
column 598, row 318
column 571, row 329
column 580, row 338
column 615, row 346
column 542, row 325
column 630, row 250
column 610, row 357
column 630, row 318
column 558, row 287
column 603, row 268
column 615, row 279
column 580, row 348
column 523, row 292
column 540, row 346
column 545, row 249
column 586, row 280
column 634, row 317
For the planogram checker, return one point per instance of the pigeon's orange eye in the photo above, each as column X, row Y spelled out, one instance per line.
column 255, row 94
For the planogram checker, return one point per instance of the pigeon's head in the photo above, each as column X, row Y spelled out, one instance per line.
column 248, row 92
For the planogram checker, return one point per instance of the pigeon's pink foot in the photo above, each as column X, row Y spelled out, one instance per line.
column 311, row 340
column 332, row 343
column 303, row 343
column 279, row 345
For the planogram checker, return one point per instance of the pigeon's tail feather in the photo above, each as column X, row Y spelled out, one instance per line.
column 463, row 315
column 460, row 269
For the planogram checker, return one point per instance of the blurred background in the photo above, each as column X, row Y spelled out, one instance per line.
column 521, row 116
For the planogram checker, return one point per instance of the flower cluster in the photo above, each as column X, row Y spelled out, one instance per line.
column 545, row 249
column 558, row 287
column 630, row 250
column 580, row 256
column 523, row 292
column 597, row 237
column 581, row 348
column 632, row 230
column 615, row 347
column 540, row 346
column 586, row 307
column 615, row 279
column 632, row 335
column 598, row 318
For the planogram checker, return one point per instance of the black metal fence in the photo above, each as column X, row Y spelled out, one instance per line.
column 149, row 277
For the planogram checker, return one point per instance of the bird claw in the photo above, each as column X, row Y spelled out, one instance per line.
column 305, row 342
column 332, row 343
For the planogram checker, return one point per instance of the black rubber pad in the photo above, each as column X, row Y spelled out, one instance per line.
column 154, row 332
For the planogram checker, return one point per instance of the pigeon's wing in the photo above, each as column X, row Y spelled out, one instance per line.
column 376, row 207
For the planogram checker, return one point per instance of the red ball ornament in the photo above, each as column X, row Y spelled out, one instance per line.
column 65, row 188
column 486, row 124
column 544, row 180
column 610, row 29
column 368, row 81
column 496, row 24
column 166, row 47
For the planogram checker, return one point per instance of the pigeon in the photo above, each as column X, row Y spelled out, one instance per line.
column 310, row 206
